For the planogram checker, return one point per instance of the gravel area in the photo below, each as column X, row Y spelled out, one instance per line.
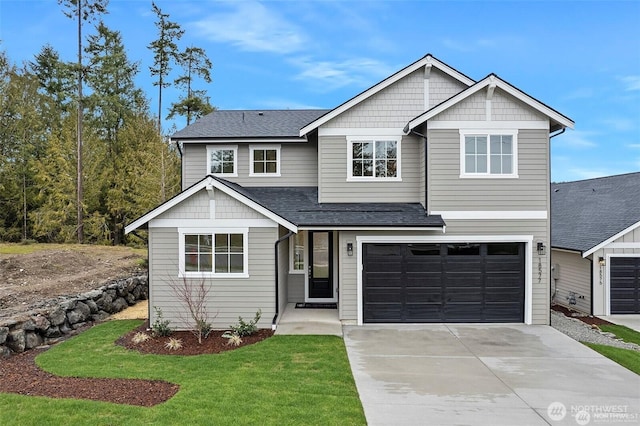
column 582, row 332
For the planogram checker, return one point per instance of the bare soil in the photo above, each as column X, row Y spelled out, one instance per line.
column 586, row 318
column 29, row 280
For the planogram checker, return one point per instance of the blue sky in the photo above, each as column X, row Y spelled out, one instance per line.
column 580, row 57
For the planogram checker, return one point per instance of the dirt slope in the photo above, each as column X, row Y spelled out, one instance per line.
column 29, row 279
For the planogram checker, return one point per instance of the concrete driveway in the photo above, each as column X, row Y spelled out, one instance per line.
column 486, row 375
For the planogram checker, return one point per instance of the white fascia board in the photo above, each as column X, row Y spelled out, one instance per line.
column 208, row 223
column 492, row 214
column 612, row 239
column 363, row 131
column 384, row 84
column 489, row 80
column 211, row 183
column 487, row 125
column 370, row 228
column 168, row 204
column 244, row 140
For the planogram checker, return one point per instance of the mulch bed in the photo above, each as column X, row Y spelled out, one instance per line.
column 21, row 375
column 586, row 318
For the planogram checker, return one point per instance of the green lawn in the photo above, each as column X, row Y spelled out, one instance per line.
column 282, row 380
column 625, row 333
column 625, row 357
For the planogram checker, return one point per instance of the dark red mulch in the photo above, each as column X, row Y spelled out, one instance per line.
column 19, row 373
column 213, row 344
column 587, row 319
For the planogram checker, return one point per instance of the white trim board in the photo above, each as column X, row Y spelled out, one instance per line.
column 364, row 131
column 612, row 239
column 491, row 214
column 217, row 223
column 487, row 125
column 402, row 239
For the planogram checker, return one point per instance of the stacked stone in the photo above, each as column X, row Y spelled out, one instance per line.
column 47, row 326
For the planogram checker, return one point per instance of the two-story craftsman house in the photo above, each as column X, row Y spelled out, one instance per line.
column 424, row 198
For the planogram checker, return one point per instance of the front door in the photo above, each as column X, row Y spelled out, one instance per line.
column 320, row 265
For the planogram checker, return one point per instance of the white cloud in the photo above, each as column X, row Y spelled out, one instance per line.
column 634, row 145
column 333, row 75
column 277, row 103
column 499, row 42
column 252, row 27
column 619, row 124
column 632, row 82
column 580, row 93
column 578, row 139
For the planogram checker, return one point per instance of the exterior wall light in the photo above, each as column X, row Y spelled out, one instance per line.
column 349, row 249
column 542, row 250
column 601, row 261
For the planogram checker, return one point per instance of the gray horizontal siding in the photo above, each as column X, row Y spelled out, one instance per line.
column 298, row 166
column 334, row 187
column 574, row 276
column 448, row 192
column 228, row 298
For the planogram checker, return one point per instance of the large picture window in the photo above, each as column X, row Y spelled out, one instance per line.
column 222, row 160
column 265, row 160
column 488, row 155
column 377, row 159
column 222, row 254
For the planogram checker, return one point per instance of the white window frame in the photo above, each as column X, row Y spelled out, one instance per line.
column 354, row 139
column 292, row 253
column 234, row 148
column 200, row 231
column 253, row 148
column 488, row 175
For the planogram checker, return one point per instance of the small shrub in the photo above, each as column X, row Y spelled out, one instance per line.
column 173, row 344
column 203, row 329
column 160, row 326
column 234, row 340
column 140, row 337
column 244, row 328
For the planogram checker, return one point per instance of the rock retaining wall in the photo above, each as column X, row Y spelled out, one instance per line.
column 49, row 325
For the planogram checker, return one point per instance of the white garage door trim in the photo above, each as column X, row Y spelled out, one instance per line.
column 607, row 279
column 400, row 239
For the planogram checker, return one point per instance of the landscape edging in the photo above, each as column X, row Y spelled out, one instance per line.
column 49, row 325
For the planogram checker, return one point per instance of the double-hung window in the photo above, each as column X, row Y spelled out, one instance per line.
column 488, row 154
column 373, row 158
column 264, row 160
column 222, row 160
column 221, row 253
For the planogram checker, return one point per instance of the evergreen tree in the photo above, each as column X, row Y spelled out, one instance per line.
column 165, row 52
column 194, row 104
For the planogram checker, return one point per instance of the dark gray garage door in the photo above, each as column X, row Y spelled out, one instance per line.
column 443, row 282
column 624, row 275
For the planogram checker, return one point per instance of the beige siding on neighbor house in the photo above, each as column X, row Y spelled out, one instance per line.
column 600, row 273
column 573, row 276
column 392, row 107
column 334, row 187
column 449, row 192
column 228, row 298
column 298, row 165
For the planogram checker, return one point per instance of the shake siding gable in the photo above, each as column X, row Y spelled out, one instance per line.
column 442, row 87
column 505, row 107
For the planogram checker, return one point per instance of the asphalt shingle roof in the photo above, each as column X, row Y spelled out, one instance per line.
column 250, row 124
column 299, row 205
column 587, row 212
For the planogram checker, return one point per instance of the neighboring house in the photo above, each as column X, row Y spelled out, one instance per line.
column 424, row 198
column 595, row 242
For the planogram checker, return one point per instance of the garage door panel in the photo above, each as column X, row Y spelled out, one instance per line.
column 443, row 282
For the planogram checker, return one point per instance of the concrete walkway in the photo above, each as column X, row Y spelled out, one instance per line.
column 485, row 375
column 628, row 320
column 309, row 321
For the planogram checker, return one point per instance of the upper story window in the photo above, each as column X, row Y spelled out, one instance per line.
column 264, row 160
column 373, row 158
column 222, row 160
column 492, row 155
column 221, row 254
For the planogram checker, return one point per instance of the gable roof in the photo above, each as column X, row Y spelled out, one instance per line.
column 424, row 61
column 558, row 120
column 230, row 124
column 295, row 207
column 588, row 214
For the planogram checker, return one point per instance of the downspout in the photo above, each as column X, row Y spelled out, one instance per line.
column 277, row 264
column 564, row 129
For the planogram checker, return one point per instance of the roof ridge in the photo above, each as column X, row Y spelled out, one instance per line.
column 595, row 178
